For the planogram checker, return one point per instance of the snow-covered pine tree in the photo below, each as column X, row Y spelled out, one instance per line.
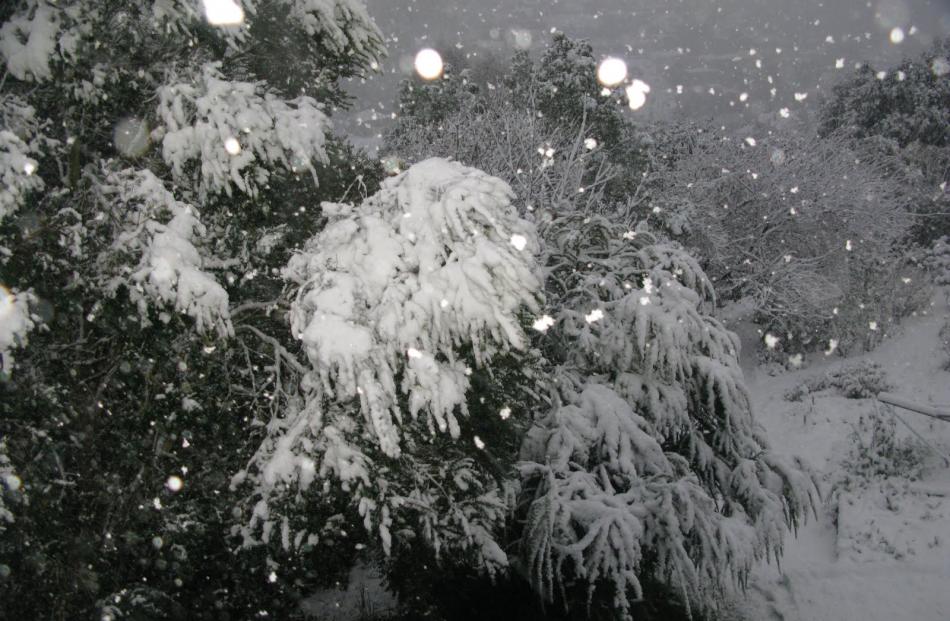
column 650, row 467
column 157, row 159
column 401, row 305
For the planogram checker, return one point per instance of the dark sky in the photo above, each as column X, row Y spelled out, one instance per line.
column 698, row 56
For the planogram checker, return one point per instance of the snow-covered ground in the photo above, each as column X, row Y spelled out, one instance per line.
column 880, row 551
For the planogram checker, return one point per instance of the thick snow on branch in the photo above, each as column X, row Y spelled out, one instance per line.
column 162, row 231
column 653, row 454
column 28, row 40
column 344, row 25
column 15, row 324
column 18, row 171
column 9, row 482
column 221, row 134
column 395, row 297
column 390, row 290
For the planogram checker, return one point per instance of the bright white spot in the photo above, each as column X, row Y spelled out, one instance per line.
column 505, row 413
column 428, row 64
column 744, row 97
column 881, row 75
column 519, row 242
column 30, row 167
column 750, row 141
column 796, row 360
column 223, row 12
column 771, row 341
column 873, row 326
column 209, row 349
column 794, row 190
column 478, row 443
column 590, row 144
column 897, row 36
column 612, row 71
column 645, row 300
column 412, row 352
column 637, row 94
column 648, row 285
column 272, row 577
column 12, row 482
column 157, row 543
column 940, row 67
column 542, row 323
column 839, row 64
column 785, row 113
column 832, row 346
column 444, row 303
column 630, row 235
column 232, row 146
column 801, row 96
column 848, row 246
column 174, row 483
column 906, row 280
column 595, row 315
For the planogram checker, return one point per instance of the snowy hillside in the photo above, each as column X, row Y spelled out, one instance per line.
column 881, row 550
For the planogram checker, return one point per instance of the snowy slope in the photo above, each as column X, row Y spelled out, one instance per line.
column 881, row 551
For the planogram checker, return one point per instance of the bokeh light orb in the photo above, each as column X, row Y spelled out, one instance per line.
column 611, row 71
column 428, row 64
column 131, row 137
column 223, row 12
column 232, row 146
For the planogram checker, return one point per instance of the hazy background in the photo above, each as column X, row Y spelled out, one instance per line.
column 714, row 51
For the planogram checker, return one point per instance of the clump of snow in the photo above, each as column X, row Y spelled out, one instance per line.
column 17, row 141
column 372, row 287
column 163, row 232
column 200, row 115
column 27, row 42
column 15, row 324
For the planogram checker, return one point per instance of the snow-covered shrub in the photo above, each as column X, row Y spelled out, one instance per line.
column 859, row 381
column 876, row 451
column 937, row 261
column 400, row 305
column 649, row 466
column 810, row 230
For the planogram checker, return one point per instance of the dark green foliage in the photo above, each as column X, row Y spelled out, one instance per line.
column 103, row 408
column 910, row 104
